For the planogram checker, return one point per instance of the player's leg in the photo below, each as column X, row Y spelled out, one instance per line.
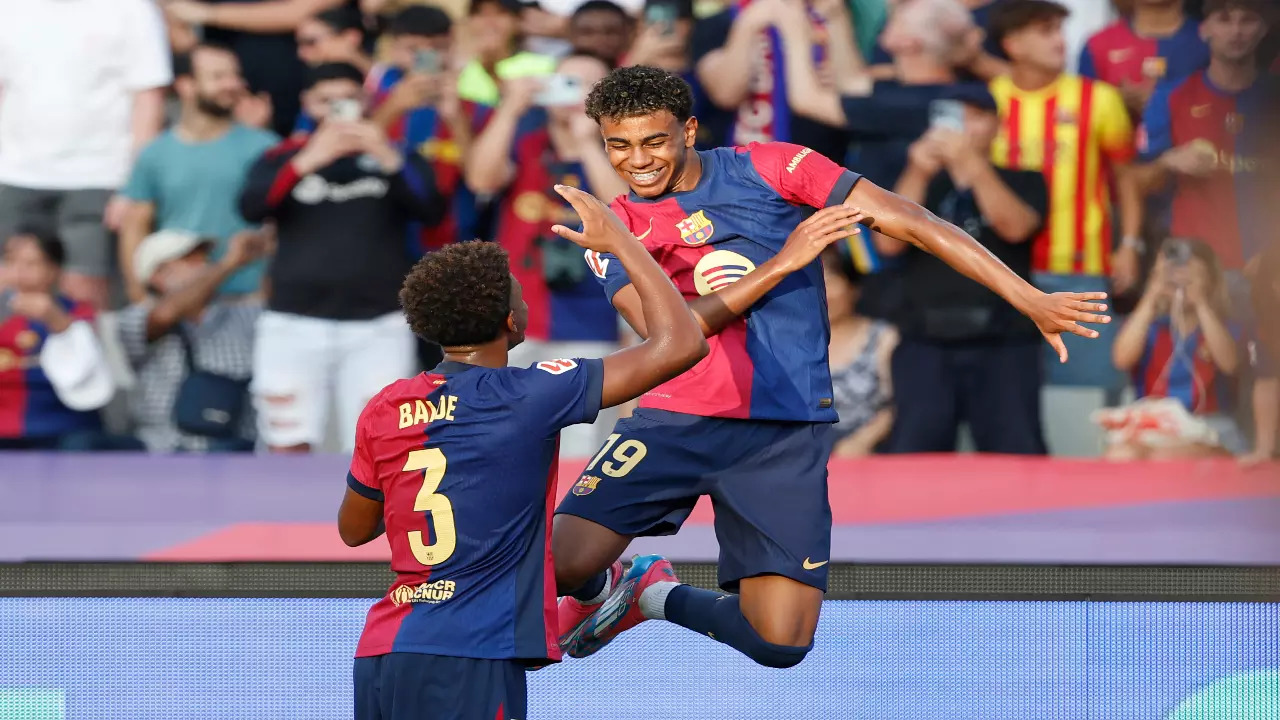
column 90, row 246
column 290, row 388
column 640, row 482
column 773, row 523
column 371, row 355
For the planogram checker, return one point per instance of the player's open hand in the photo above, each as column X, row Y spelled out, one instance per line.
column 1063, row 312
column 602, row 231
column 816, row 233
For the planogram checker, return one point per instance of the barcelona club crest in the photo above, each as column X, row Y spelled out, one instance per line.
column 1235, row 123
column 696, row 229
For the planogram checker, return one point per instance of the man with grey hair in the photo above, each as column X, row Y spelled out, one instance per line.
column 927, row 38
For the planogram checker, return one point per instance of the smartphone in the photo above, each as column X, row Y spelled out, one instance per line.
column 947, row 114
column 663, row 15
column 428, row 62
column 560, row 91
column 347, row 109
column 1177, row 252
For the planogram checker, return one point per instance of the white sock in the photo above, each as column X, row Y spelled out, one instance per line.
column 604, row 591
column 653, row 601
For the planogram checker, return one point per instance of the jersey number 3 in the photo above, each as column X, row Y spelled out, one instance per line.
column 432, row 463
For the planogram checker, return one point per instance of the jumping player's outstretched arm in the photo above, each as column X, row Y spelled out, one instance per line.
column 716, row 310
column 904, row 220
column 675, row 343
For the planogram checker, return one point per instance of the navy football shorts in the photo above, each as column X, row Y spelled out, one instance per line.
column 767, row 481
column 413, row 686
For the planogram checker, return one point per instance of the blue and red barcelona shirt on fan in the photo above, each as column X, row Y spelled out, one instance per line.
column 1117, row 55
column 464, row 461
column 424, row 131
column 29, row 407
column 770, row 364
column 1233, row 208
column 1181, row 368
column 565, row 304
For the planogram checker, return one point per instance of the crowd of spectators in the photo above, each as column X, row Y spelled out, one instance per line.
column 206, row 208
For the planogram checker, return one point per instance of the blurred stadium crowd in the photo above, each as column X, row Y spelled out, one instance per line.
column 207, row 208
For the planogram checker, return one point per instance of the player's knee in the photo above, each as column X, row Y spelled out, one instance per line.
column 776, row 656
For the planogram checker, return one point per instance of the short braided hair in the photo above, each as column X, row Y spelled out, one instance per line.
column 459, row 295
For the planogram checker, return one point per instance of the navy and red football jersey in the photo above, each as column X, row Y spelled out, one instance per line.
column 1117, row 55
column 425, row 132
column 464, row 461
column 29, row 406
column 566, row 308
column 1233, row 209
column 771, row 363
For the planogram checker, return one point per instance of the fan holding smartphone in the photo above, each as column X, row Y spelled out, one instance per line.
column 663, row 39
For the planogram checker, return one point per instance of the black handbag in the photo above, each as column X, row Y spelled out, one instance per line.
column 208, row 404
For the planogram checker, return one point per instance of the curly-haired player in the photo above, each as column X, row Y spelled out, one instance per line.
column 457, row 465
column 750, row 425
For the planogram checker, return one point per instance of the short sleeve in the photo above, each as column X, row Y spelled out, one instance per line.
column 608, row 271
column 1114, row 129
column 141, row 185
column 1155, row 136
column 363, row 476
column 891, row 111
column 801, row 176
column 150, row 64
column 558, row 393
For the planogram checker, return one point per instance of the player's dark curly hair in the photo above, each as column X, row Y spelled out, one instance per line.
column 459, row 295
column 639, row 90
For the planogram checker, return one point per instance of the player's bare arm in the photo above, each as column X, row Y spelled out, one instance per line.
column 359, row 519
column 904, row 220
column 716, row 310
column 675, row 343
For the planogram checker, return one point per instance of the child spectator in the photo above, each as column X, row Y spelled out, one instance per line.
column 1183, row 356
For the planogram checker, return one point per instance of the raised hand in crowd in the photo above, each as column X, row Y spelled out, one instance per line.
column 254, row 110
column 370, row 140
column 657, row 46
column 42, row 308
column 1196, row 158
column 332, row 140
column 248, row 246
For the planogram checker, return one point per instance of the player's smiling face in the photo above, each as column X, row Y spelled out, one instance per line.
column 650, row 151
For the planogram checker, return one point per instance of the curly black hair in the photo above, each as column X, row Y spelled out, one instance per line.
column 459, row 295
column 640, row 90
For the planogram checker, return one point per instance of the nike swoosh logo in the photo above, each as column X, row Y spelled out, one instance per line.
column 1200, row 110
column 810, row 565
column 646, row 232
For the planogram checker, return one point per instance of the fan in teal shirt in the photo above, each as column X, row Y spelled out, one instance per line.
column 194, row 186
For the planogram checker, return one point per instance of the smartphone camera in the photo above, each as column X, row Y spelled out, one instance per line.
column 947, row 115
column 560, row 91
column 427, row 62
column 662, row 15
column 347, row 109
column 1177, row 252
